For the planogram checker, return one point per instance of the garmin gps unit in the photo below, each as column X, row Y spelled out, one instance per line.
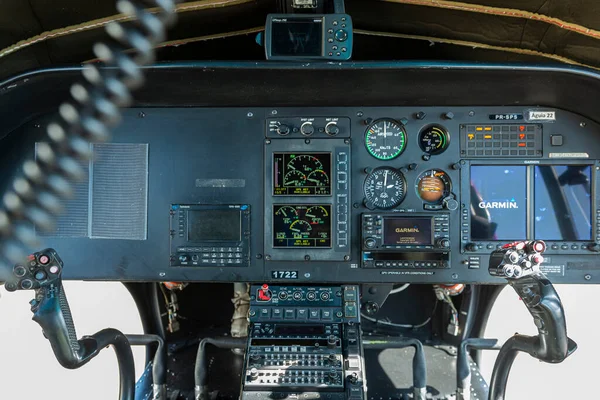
column 303, row 37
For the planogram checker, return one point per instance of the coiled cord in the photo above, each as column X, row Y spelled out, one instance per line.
column 37, row 193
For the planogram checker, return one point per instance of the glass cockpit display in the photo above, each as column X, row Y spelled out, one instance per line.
column 498, row 202
column 303, row 226
column 563, row 202
column 302, row 174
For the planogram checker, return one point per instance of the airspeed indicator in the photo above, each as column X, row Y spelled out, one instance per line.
column 385, row 139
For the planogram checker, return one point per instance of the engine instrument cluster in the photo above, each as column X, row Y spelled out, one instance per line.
column 302, row 174
column 302, row 226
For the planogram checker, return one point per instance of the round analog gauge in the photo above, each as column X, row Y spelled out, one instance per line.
column 305, row 164
column 316, row 215
column 294, row 178
column 384, row 188
column 385, row 139
column 318, row 178
column 300, row 228
column 287, row 214
column 433, row 186
column 434, row 139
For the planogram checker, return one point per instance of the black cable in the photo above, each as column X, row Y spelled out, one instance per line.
column 36, row 195
column 402, row 326
column 200, row 370
column 159, row 365
column 114, row 338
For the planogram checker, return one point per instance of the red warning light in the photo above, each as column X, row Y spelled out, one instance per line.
column 521, row 136
column 522, row 128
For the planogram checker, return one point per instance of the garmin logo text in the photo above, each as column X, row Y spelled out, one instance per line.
column 407, row 230
column 498, row 204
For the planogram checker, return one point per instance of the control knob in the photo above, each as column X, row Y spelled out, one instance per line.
column 307, row 129
column 283, row 130
column 470, row 247
column 353, row 378
column 184, row 258
column 253, row 374
column 450, row 203
column 443, row 243
column 332, row 129
column 511, row 257
column 331, row 341
column 332, row 375
column 370, row 243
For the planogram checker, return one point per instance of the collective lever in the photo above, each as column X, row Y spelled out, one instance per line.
column 51, row 311
column 519, row 263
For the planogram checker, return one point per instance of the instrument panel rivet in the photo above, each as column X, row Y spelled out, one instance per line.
column 454, row 276
column 267, row 257
column 355, row 205
column 359, row 114
column 471, row 113
column 274, row 112
column 582, row 124
column 346, row 258
column 587, row 277
column 258, row 256
column 141, row 114
column 250, row 115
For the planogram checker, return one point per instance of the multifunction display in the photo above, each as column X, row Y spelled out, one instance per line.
column 302, row 226
column 498, row 202
column 563, row 202
column 297, row 37
column 302, row 174
column 209, row 235
column 407, row 231
column 560, row 207
column 211, row 225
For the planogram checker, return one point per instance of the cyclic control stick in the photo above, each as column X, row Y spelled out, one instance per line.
column 51, row 311
column 519, row 263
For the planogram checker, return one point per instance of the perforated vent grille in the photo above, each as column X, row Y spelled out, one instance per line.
column 119, row 191
column 112, row 202
column 73, row 222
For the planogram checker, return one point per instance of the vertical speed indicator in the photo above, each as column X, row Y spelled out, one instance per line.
column 385, row 139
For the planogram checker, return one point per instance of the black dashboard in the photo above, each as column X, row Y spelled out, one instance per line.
column 407, row 193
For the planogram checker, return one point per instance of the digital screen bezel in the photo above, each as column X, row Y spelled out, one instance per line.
column 274, row 232
column 189, row 213
column 389, row 218
column 480, row 245
column 302, row 153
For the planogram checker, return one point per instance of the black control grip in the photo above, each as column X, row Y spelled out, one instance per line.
column 544, row 305
column 51, row 311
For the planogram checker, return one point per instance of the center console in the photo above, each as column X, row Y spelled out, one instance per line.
column 304, row 342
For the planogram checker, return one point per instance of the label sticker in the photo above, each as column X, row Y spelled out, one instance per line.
column 553, row 269
column 506, row 117
column 407, row 273
column 542, row 116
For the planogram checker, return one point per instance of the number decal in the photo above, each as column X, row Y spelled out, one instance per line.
column 284, row 274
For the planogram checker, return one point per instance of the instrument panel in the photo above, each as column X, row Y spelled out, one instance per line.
column 346, row 194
